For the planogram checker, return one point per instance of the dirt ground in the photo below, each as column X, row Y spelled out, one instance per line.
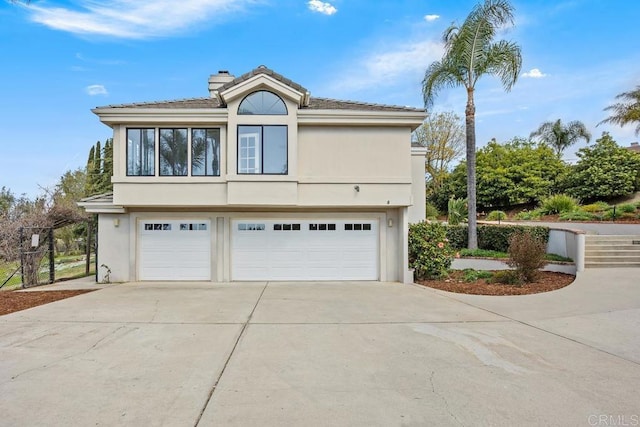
column 11, row 301
column 547, row 281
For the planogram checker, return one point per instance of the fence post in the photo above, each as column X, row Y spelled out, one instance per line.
column 88, row 249
column 21, row 237
column 52, row 265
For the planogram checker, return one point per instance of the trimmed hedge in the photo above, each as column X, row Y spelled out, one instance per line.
column 493, row 237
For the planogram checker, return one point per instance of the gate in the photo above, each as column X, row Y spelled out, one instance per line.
column 36, row 256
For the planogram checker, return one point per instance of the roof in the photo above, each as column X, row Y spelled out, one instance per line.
column 314, row 103
column 266, row 71
column 99, row 198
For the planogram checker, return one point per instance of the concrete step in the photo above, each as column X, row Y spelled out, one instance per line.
column 608, row 246
column 620, row 254
column 603, row 264
column 612, row 258
column 592, row 238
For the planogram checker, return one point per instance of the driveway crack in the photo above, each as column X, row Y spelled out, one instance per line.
column 444, row 399
column 233, row 350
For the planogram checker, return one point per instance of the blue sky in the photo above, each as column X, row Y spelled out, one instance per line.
column 62, row 58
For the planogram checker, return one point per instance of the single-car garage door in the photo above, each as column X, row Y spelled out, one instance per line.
column 304, row 250
column 175, row 250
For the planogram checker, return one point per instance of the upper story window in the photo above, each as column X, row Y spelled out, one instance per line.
column 173, row 152
column 262, row 102
column 141, row 152
column 262, row 150
column 205, row 152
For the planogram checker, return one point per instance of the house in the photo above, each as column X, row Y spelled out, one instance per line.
column 259, row 181
column 634, row 147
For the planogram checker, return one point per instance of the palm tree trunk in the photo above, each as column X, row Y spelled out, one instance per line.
column 470, row 117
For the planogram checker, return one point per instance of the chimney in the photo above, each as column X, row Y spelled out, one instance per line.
column 217, row 80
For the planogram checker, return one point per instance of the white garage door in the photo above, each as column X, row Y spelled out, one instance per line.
column 304, row 250
column 175, row 250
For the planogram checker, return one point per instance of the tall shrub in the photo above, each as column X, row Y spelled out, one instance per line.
column 430, row 253
column 526, row 255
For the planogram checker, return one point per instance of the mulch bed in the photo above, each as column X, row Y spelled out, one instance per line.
column 547, row 281
column 11, row 301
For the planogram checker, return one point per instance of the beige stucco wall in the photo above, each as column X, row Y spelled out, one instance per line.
column 417, row 211
column 351, row 153
column 114, row 233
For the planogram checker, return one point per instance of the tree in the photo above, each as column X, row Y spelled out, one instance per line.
column 470, row 53
column 442, row 134
column 560, row 136
column 604, row 171
column 517, row 172
column 99, row 169
column 626, row 112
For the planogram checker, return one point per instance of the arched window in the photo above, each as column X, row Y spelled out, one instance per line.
column 262, row 102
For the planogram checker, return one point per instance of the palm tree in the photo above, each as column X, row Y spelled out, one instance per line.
column 627, row 112
column 470, row 53
column 560, row 136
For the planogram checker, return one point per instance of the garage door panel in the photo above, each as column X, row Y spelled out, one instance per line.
column 175, row 250
column 323, row 249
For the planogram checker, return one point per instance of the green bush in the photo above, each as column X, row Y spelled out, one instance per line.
column 577, row 216
column 471, row 275
column 508, row 277
column 596, row 207
column 526, row 255
column 493, row 237
column 458, row 236
column 557, row 204
column 626, row 208
column 430, row 253
column 529, row 215
column 496, row 216
column 431, row 211
column 456, row 211
column 611, row 215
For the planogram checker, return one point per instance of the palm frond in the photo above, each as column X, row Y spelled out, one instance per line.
column 440, row 75
column 625, row 113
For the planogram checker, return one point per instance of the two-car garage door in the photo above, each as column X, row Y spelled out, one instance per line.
column 286, row 249
column 321, row 249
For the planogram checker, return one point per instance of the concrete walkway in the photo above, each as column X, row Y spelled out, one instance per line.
column 324, row 354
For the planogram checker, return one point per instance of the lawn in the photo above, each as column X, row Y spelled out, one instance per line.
column 66, row 267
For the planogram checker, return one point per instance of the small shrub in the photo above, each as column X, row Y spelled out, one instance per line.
column 558, row 204
column 611, row 214
column 626, row 208
column 595, row 207
column 430, row 253
column 637, row 204
column 527, row 255
column 577, row 216
column 529, row 215
column 507, row 277
column 496, row 216
column 456, row 211
column 471, row 275
column 431, row 211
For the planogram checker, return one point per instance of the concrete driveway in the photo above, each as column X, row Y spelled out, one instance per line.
column 325, row 354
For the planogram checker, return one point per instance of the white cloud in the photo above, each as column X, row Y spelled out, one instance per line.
column 322, row 7
column 391, row 66
column 132, row 19
column 535, row 73
column 431, row 18
column 96, row 90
